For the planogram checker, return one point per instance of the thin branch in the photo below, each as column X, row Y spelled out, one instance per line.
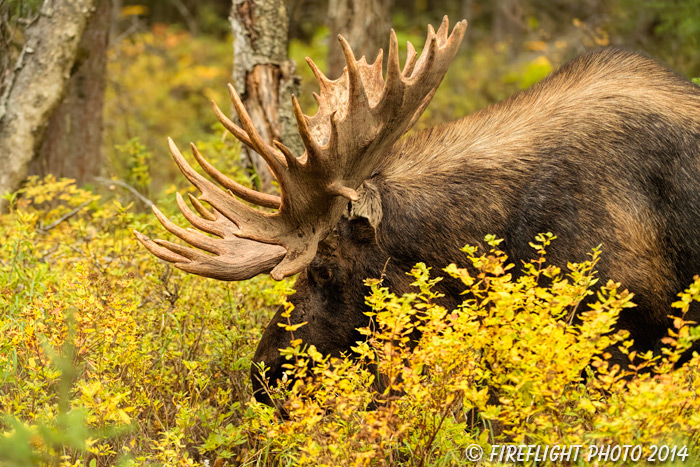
column 187, row 16
column 109, row 181
column 130, row 30
column 63, row 218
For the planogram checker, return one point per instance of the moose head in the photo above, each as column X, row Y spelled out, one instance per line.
column 604, row 151
column 324, row 214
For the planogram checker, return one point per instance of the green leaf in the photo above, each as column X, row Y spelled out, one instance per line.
column 535, row 71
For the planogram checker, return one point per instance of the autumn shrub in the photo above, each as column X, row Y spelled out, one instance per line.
column 508, row 366
column 160, row 84
column 140, row 362
column 109, row 356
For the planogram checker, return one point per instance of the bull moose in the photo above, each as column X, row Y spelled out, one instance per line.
column 606, row 150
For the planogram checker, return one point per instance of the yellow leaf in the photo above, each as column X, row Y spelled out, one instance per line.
column 602, row 38
column 537, row 46
column 123, row 416
column 133, row 10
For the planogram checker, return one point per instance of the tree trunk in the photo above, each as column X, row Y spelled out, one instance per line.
column 37, row 84
column 363, row 23
column 73, row 140
column 264, row 76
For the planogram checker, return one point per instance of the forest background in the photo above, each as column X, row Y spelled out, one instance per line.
column 108, row 356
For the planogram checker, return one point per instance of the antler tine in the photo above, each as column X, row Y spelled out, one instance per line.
column 322, row 79
column 229, row 206
column 411, row 58
column 276, row 163
column 184, row 251
column 360, row 116
column 207, row 224
column 234, row 129
column 159, row 251
column 303, row 126
column 394, row 85
column 443, row 29
column 427, row 56
column 333, row 138
column 204, row 212
column 292, row 161
column 339, row 189
column 294, row 262
column 453, row 40
column 197, row 180
column 249, row 261
column 261, row 147
column 374, row 79
column 252, row 196
column 379, row 60
column 393, row 66
column 190, row 236
column 431, row 33
column 356, row 91
column 247, row 257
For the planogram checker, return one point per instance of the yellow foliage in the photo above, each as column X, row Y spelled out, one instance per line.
column 160, row 84
column 149, row 353
column 107, row 355
column 503, row 368
column 133, row 10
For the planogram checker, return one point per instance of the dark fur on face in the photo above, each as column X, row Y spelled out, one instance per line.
column 604, row 151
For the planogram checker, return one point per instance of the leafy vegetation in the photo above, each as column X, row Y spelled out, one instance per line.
column 160, row 84
column 111, row 357
column 108, row 356
column 158, row 360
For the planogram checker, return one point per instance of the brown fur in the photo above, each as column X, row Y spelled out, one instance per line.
column 604, row 151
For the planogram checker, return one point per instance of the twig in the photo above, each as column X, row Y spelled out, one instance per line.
column 134, row 27
column 187, row 16
column 64, row 217
column 108, row 181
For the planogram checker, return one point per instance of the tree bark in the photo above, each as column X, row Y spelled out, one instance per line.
column 72, row 144
column 264, row 76
column 363, row 23
column 37, row 84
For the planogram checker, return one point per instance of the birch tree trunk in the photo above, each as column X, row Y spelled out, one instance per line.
column 264, row 76
column 72, row 144
column 363, row 23
column 37, row 83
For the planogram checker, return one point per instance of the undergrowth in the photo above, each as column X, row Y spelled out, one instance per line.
column 108, row 356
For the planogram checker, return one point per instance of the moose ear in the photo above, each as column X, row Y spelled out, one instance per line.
column 365, row 214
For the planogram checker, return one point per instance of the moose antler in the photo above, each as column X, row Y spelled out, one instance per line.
column 360, row 116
